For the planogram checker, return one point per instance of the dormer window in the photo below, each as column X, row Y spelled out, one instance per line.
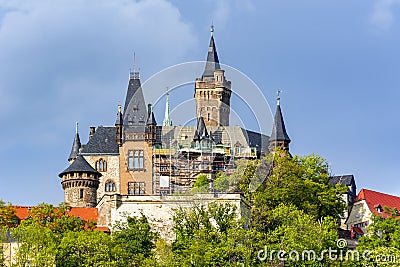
column 379, row 208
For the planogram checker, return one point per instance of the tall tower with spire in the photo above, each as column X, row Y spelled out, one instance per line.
column 279, row 137
column 167, row 116
column 213, row 91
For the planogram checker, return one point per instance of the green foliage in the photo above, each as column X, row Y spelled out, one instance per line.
column 8, row 217
column 85, row 248
column 133, row 242
column 201, row 184
column 383, row 239
column 53, row 218
column 221, row 182
column 302, row 182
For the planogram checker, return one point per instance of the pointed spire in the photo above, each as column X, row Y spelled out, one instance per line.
column 119, row 120
column 151, row 120
column 201, row 130
column 212, row 63
column 279, row 133
column 76, row 145
column 167, row 116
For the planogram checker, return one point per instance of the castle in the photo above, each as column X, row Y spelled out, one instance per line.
column 136, row 162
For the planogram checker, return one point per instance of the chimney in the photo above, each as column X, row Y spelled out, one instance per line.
column 92, row 131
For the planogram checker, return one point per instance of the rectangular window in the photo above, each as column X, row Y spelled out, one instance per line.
column 80, row 193
column 136, row 188
column 135, row 159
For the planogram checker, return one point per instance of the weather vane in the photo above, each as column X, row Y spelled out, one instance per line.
column 278, row 96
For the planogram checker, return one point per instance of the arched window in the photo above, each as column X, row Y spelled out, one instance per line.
column 101, row 165
column 110, row 186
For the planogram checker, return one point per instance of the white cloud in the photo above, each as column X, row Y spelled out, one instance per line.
column 383, row 15
column 46, row 45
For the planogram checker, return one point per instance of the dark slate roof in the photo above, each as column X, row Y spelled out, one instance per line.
column 79, row 165
column 347, row 180
column 103, row 141
column 212, row 63
column 279, row 130
column 135, row 112
column 76, row 145
column 151, row 120
column 201, row 130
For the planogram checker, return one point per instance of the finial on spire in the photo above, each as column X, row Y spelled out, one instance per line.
column 134, row 61
column 119, row 108
column 278, row 98
column 135, row 73
column 76, row 129
column 212, row 29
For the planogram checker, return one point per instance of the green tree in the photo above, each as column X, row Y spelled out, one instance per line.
column 221, row 182
column 8, row 217
column 37, row 246
column 302, row 182
column 383, row 240
column 86, row 249
column 201, row 184
column 134, row 242
column 208, row 235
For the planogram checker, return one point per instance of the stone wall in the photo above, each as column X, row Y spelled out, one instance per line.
column 159, row 210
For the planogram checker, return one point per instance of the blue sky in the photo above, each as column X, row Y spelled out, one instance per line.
column 62, row 61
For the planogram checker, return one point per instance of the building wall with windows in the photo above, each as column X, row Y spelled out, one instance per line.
column 108, row 166
column 136, row 168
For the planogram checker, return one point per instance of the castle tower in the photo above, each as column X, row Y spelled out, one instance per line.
column 80, row 183
column 279, row 136
column 151, row 126
column 213, row 91
column 76, row 146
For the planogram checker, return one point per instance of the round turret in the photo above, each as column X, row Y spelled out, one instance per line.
column 80, row 182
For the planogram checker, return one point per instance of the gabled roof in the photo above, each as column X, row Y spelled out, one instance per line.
column 212, row 63
column 80, row 165
column 279, row 129
column 76, row 145
column 374, row 199
column 201, row 130
column 347, row 180
column 103, row 141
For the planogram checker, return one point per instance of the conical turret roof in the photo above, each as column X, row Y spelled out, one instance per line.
column 80, row 165
column 279, row 130
column 76, row 145
column 212, row 63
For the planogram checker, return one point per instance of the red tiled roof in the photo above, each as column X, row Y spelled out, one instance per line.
column 22, row 212
column 374, row 199
column 86, row 214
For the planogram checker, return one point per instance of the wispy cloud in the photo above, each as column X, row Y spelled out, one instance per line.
column 383, row 15
column 224, row 9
